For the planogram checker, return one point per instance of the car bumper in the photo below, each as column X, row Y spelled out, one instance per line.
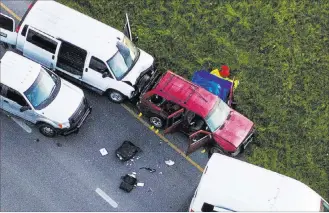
column 75, row 128
column 249, row 138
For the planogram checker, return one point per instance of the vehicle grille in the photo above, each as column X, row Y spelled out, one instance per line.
column 78, row 114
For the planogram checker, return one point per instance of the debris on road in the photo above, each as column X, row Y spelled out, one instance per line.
column 140, row 184
column 128, row 182
column 169, row 162
column 59, row 144
column 127, row 151
column 103, row 151
column 160, row 173
column 37, row 140
column 149, row 169
column 203, row 151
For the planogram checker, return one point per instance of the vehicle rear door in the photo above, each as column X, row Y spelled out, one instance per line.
column 197, row 140
column 7, row 30
column 41, row 48
column 174, row 121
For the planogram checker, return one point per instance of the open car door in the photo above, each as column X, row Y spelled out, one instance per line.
column 197, row 140
column 230, row 99
column 7, row 30
column 174, row 121
column 127, row 29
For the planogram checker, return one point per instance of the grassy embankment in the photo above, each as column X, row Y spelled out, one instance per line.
column 278, row 49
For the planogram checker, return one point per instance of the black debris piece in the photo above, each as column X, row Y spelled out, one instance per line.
column 128, row 183
column 127, row 151
column 149, row 169
column 59, row 144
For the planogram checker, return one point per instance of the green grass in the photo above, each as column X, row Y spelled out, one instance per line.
column 278, row 49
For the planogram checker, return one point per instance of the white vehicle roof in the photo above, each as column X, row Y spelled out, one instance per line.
column 70, row 25
column 241, row 186
column 18, row 72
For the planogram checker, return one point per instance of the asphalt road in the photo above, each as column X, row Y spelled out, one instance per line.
column 68, row 173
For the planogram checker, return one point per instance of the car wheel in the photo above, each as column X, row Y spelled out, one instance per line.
column 47, row 130
column 115, row 96
column 215, row 149
column 156, row 121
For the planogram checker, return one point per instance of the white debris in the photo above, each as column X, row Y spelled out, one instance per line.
column 169, row 162
column 160, row 173
column 140, row 184
column 103, row 151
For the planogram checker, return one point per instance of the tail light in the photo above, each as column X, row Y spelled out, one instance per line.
column 27, row 11
column 191, row 210
column 17, row 28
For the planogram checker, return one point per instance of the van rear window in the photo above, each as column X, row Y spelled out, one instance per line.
column 41, row 41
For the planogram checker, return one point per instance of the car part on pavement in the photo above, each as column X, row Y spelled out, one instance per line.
column 127, row 151
column 128, row 182
column 149, row 169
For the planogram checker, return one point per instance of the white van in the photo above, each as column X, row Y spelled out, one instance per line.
column 31, row 92
column 228, row 184
column 81, row 49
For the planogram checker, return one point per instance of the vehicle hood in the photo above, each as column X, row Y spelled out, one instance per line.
column 144, row 62
column 235, row 129
column 65, row 103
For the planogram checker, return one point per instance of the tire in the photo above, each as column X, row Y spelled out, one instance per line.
column 47, row 130
column 215, row 149
column 156, row 122
column 115, row 96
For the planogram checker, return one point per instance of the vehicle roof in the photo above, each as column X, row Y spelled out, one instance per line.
column 191, row 96
column 70, row 25
column 241, row 186
column 18, row 72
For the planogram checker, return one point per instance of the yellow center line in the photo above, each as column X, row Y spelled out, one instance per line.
column 10, row 11
column 130, row 111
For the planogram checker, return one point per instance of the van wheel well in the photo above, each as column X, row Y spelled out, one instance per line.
column 115, row 96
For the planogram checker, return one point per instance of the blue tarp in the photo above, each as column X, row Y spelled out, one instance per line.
column 213, row 84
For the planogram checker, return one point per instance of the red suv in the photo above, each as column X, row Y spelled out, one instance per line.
column 176, row 104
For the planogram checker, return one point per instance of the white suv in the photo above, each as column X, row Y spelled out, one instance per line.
column 36, row 94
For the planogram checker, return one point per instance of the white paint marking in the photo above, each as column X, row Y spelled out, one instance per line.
column 106, row 198
column 22, row 124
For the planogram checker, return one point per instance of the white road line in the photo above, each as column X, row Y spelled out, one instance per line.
column 106, row 198
column 22, row 124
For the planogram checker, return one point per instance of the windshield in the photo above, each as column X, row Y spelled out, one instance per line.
column 43, row 90
column 218, row 115
column 123, row 60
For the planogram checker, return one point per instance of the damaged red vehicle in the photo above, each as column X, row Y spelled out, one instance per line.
column 176, row 104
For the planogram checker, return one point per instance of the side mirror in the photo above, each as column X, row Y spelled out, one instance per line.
column 135, row 39
column 105, row 74
column 24, row 108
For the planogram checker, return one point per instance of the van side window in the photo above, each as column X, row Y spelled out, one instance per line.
column 41, row 41
column 6, row 23
column 71, row 58
column 16, row 97
column 98, row 65
column 23, row 33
